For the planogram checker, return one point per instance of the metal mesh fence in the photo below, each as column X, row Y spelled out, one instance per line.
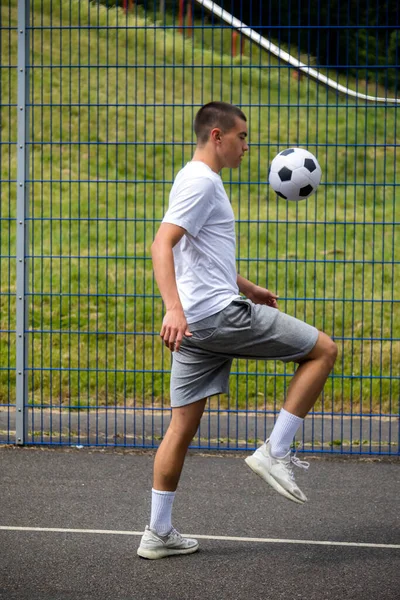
column 8, row 186
column 110, row 93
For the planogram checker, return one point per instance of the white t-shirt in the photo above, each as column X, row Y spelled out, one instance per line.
column 205, row 258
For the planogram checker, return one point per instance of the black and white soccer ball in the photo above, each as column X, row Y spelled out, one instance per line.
column 294, row 174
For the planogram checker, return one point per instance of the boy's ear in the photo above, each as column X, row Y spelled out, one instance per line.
column 216, row 134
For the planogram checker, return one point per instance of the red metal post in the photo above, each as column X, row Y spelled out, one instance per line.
column 298, row 75
column 127, row 5
column 234, row 43
column 234, row 40
column 189, row 19
column 181, row 14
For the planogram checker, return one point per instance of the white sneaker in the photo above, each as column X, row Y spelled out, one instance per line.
column 153, row 545
column 278, row 472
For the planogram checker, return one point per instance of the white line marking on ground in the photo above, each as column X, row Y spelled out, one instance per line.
column 223, row 538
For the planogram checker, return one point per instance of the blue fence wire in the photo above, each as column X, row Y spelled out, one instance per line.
column 112, row 91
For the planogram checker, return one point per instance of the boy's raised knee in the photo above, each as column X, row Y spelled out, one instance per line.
column 325, row 348
column 333, row 351
column 329, row 348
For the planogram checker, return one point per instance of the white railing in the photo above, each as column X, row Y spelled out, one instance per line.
column 285, row 56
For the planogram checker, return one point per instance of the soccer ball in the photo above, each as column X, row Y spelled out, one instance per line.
column 294, row 174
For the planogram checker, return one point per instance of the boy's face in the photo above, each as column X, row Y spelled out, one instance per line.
column 232, row 145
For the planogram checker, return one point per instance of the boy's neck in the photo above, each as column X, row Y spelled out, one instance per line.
column 207, row 157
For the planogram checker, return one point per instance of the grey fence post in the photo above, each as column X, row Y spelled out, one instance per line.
column 22, row 231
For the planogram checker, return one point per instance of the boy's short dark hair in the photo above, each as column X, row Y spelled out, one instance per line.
column 215, row 114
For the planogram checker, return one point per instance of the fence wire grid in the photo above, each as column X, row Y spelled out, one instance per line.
column 97, row 106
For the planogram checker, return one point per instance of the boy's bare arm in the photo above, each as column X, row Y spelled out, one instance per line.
column 255, row 293
column 174, row 325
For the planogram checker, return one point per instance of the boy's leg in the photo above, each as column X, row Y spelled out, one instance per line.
column 310, row 377
column 304, row 389
column 171, row 453
column 161, row 539
column 272, row 460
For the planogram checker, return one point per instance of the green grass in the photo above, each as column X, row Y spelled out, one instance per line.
column 323, row 256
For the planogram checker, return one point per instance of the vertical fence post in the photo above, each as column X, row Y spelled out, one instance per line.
column 22, row 232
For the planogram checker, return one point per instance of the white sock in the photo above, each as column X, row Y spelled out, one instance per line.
column 282, row 435
column 161, row 509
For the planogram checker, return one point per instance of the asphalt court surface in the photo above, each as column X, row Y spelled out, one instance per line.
column 71, row 520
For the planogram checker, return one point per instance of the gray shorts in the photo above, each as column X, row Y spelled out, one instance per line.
column 242, row 330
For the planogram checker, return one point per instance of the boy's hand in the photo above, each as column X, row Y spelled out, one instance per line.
column 173, row 329
column 261, row 295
